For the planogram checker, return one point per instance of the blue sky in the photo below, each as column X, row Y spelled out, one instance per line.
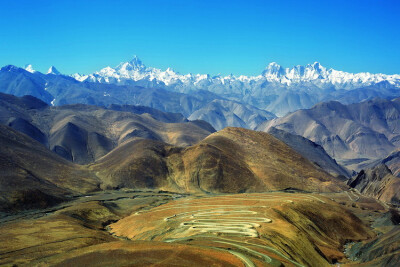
column 239, row 37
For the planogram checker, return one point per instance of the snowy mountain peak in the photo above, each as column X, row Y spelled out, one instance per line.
column 136, row 62
column 133, row 65
column 29, row 68
column 170, row 71
column 274, row 70
column 274, row 76
column 316, row 64
column 317, row 67
column 53, row 70
column 273, row 64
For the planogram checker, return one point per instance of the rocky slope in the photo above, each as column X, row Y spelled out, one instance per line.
column 312, row 151
column 368, row 130
column 378, row 182
column 392, row 162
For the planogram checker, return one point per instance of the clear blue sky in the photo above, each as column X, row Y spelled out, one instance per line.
column 239, row 37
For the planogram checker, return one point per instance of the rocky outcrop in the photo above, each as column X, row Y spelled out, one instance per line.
column 379, row 183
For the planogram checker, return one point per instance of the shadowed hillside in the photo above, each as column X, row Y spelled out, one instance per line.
column 83, row 133
column 310, row 150
column 31, row 176
column 366, row 130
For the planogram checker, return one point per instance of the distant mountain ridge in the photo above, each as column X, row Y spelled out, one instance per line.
column 366, row 130
column 277, row 89
column 83, row 133
column 57, row 89
column 315, row 73
column 310, row 150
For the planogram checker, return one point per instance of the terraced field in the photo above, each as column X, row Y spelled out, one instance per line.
column 243, row 225
column 125, row 228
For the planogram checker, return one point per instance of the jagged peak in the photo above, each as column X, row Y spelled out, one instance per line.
column 309, row 73
column 171, row 70
column 274, row 69
column 53, row 70
column 30, row 68
column 317, row 66
column 274, row 64
column 136, row 61
column 134, row 64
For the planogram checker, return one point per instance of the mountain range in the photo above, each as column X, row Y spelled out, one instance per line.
column 84, row 157
column 239, row 101
column 352, row 134
column 230, row 101
column 139, row 148
column 316, row 74
column 277, row 89
column 56, row 89
column 84, row 133
column 32, row 176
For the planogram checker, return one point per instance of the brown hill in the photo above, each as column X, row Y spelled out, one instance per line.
column 84, row 133
column 32, row 176
column 231, row 160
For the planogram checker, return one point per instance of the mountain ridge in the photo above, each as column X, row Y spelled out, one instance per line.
column 276, row 89
column 366, row 130
column 83, row 133
column 61, row 90
column 135, row 70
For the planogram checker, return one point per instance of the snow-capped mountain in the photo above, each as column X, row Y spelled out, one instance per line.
column 29, row 68
column 276, row 89
column 315, row 74
column 53, row 70
column 58, row 90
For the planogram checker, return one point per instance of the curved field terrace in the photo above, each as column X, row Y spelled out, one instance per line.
column 242, row 224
